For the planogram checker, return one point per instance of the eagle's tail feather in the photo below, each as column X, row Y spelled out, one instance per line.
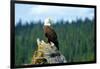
column 56, row 44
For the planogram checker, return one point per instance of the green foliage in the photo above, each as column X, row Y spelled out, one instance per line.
column 76, row 40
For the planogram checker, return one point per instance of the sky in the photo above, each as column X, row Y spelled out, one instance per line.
column 30, row 12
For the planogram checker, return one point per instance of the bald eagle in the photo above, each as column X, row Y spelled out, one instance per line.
column 50, row 32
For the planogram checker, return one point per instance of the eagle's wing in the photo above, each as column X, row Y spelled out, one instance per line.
column 50, row 33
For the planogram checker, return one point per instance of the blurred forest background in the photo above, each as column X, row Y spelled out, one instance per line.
column 76, row 40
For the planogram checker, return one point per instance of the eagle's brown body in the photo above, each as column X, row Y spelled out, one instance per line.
column 51, row 35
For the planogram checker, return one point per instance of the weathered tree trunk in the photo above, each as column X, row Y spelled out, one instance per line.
column 47, row 53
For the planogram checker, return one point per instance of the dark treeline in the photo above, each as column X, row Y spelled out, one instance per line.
column 76, row 40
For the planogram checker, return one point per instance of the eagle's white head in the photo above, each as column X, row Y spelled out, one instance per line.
column 48, row 22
